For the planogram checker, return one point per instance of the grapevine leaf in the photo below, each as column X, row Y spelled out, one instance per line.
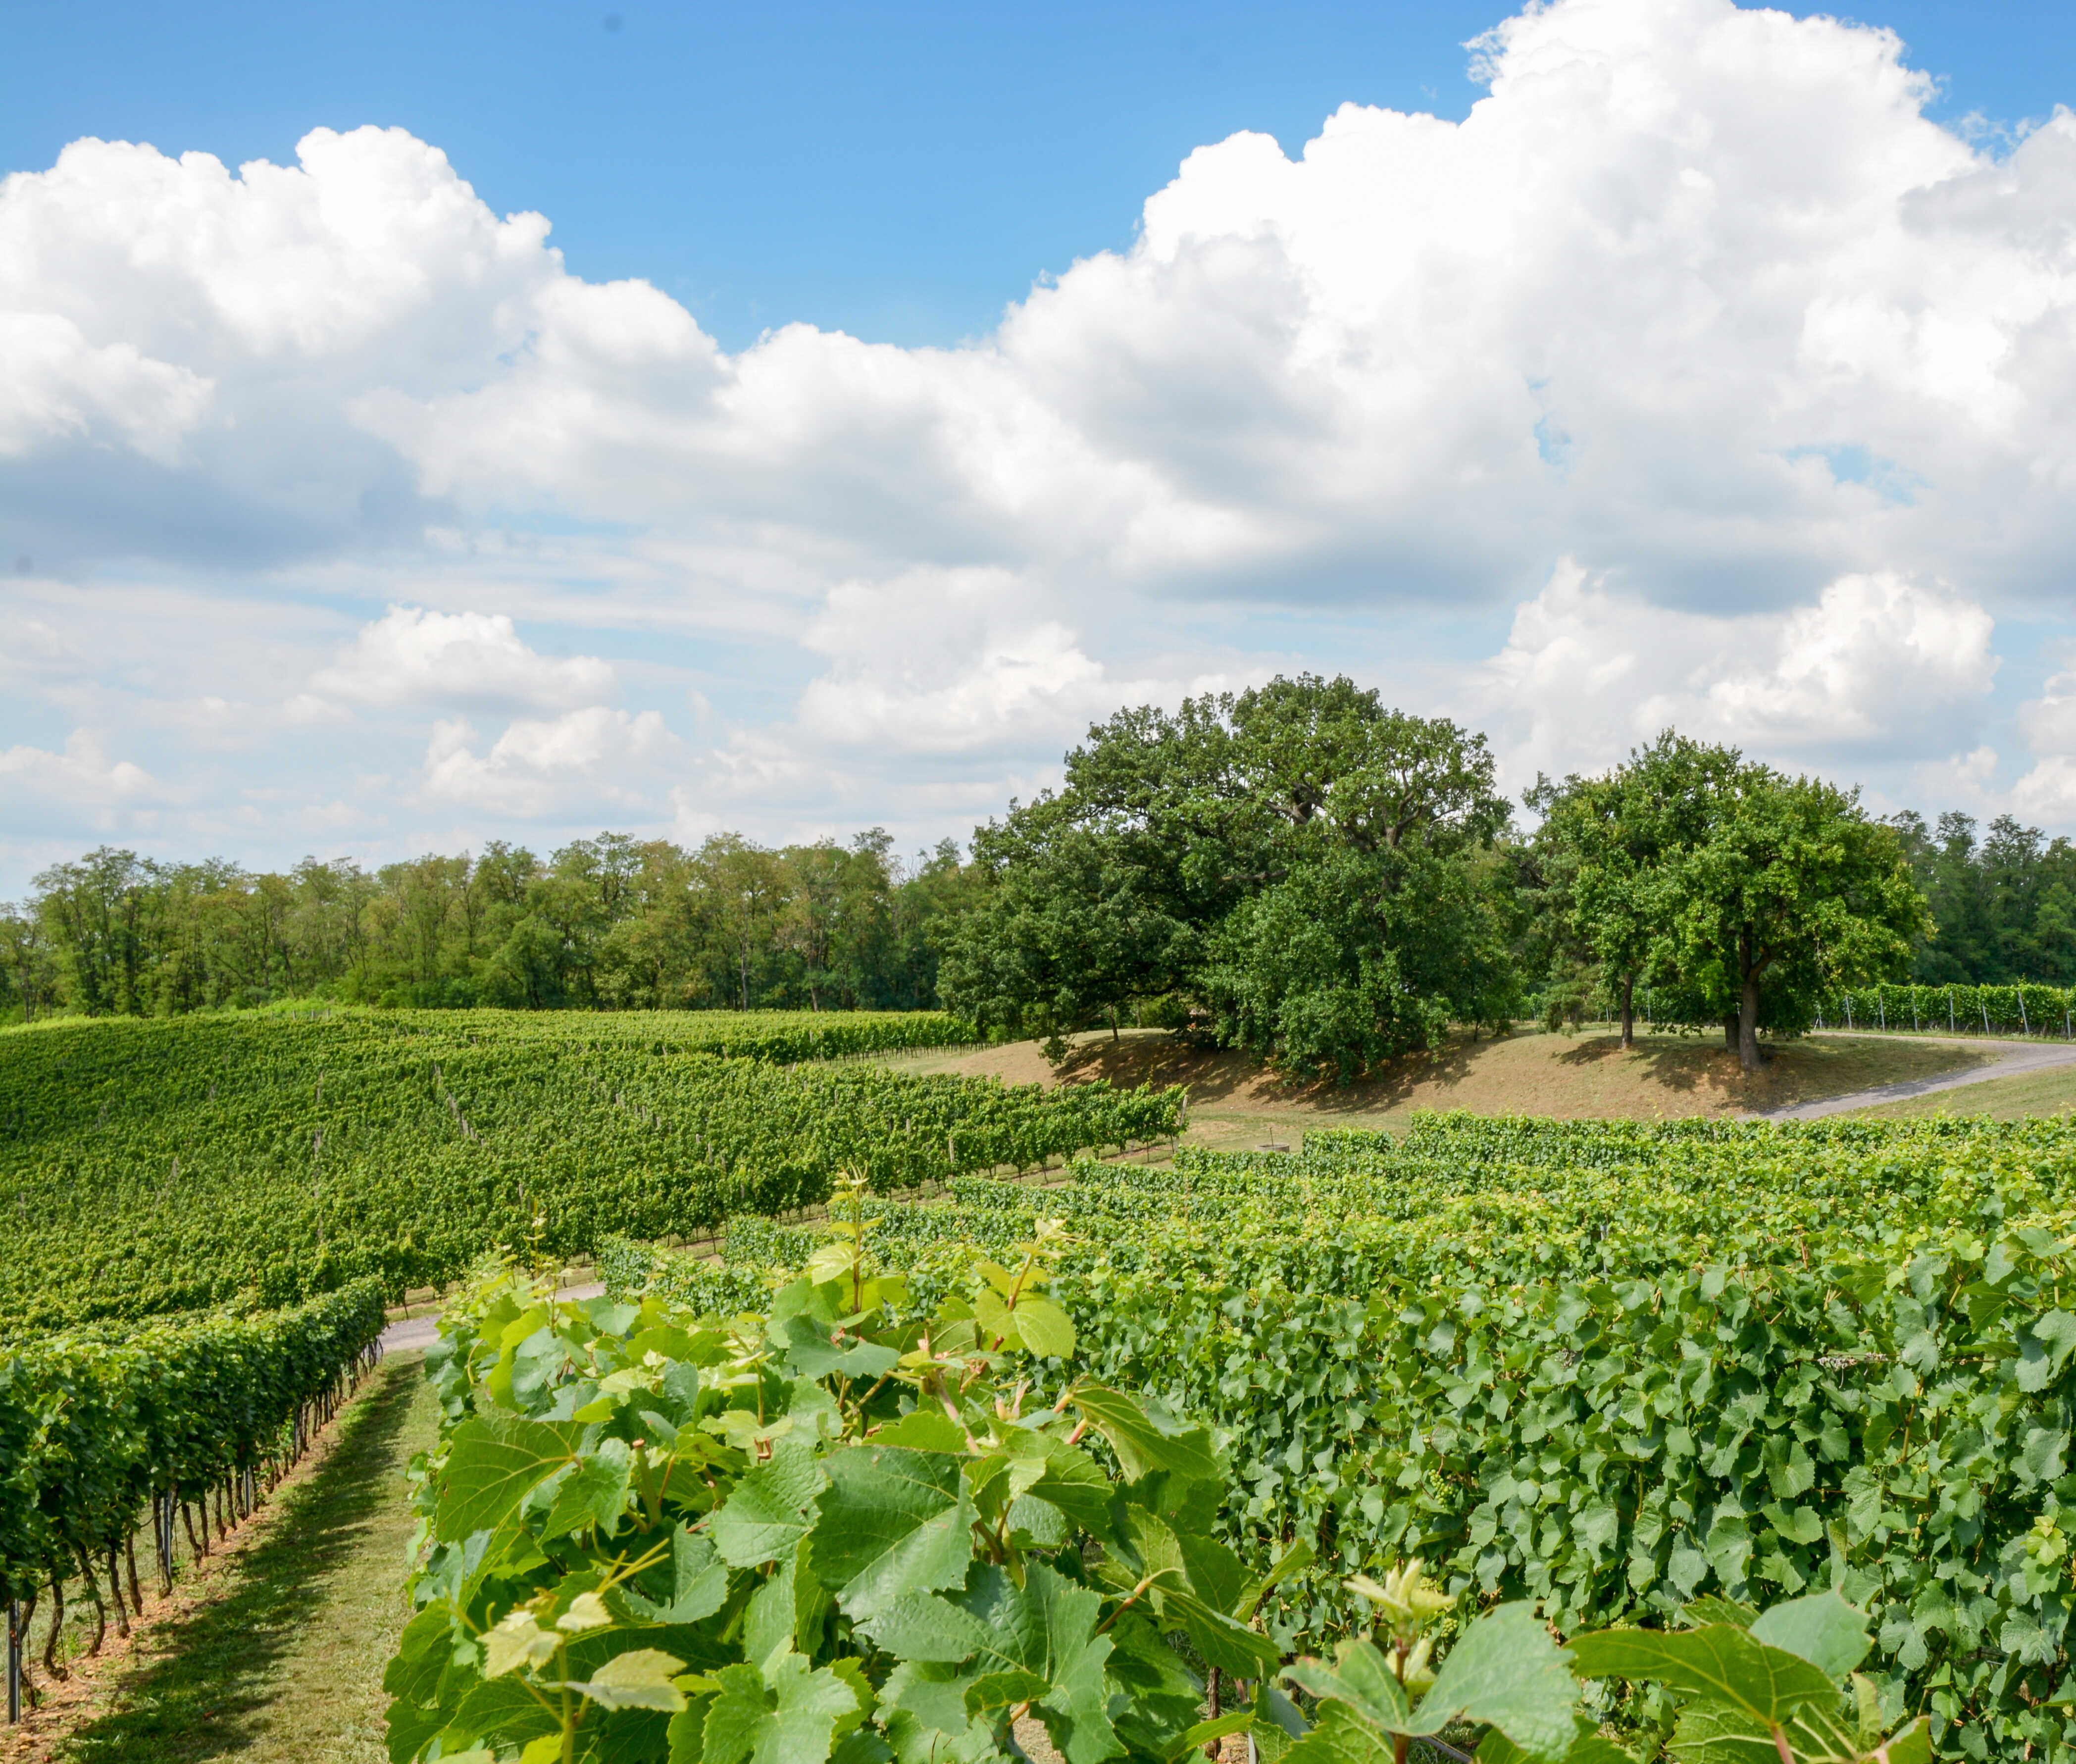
column 639, row 1679
column 505, row 1710
column 1822, row 1629
column 1505, row 1671
column 1046, row 1329
column 810, row 1354
column 1342, row 1736
column 1035, row 1644
column 769, row 1513
column 893, row 1521
column 1718, row 1661
column 924, row 1626
column 699, row 1583
column 423, row 1652
column 1074, row 1483
column 595, row 1494
column 1295, row 1560
column 1225, row 1642
column 789, row 1718
column 1714, row 1609
column 926, row 1430
column 1362, row 1680
column 494, row 1463
column 2057, row 1331
column 1194, row 1739
column 1145, row 1438
column 1496, row 1748
column 410, row 1728
column 923, row 1711
column 1215, row 1574
column 993, row 1691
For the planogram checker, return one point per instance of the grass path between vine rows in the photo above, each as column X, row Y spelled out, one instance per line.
column 281, row 1659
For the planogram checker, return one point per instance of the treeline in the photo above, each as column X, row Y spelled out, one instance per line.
column 1297, row 869
column 2004, row 905
column 611, row 923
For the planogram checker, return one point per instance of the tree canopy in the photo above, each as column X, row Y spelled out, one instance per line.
column 1303, row 860
column 1746, row 893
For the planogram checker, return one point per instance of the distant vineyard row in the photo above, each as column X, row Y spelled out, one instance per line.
column 147, row 1167
column 1968, row 1010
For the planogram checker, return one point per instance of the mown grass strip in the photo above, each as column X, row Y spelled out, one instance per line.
column 283, row 1659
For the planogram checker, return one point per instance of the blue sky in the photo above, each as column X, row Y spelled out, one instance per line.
column 899, row 173
column 890, row 393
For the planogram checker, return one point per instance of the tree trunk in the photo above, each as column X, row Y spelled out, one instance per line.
column 1730, row 1032
column 1629, row 1011
column 1751, row 964
column 1748, row 1054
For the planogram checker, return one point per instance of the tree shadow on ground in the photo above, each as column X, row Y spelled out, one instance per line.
column 206, row 1698
column 1218, row 1075
column 1685, row 1064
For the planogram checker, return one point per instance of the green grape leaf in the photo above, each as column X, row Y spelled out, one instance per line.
column 810, row 1354
column 925, row 1430
column 1145, row 1438
column 505, row 1710
column 1343, row 1736
column 1074, row 1483
column 792, row 1719
column 594, row 1494
column 1505, row 1672
column 1225, row 1642
column 1004, row 1690
column 893, row 1521
column 1496, row 1748
column 699, row 1583
column 423, row 1652
column 769, row 1510
column 1715, row 1609
column 410, row 1728
column 1362, row 1679
column 1195, row 1739
column 495, row 1461
column 1719, row 1662
column 639, row 1679
column 1822, row 1629
column 1045, row 1329
column 1295, row 1560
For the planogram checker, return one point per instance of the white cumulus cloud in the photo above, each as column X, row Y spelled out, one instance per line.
column 458, row 661
column 1696, row 295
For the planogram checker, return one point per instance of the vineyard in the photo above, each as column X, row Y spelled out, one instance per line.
column 2025, row 1009
column 161, row 1166
column 1613, row 1366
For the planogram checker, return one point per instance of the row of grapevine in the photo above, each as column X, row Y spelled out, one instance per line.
column 101, row 1431
column 2021, row 1010
column 1614, row 1377
column 785, row 1036
column 157, row 1166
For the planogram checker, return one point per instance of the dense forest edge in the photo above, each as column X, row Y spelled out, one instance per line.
column 1296, row 870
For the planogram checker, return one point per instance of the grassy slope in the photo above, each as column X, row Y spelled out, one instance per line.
column 1233, row 1101
column 282, row 1659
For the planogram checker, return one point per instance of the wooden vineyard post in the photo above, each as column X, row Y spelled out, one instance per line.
column 13, row 1661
